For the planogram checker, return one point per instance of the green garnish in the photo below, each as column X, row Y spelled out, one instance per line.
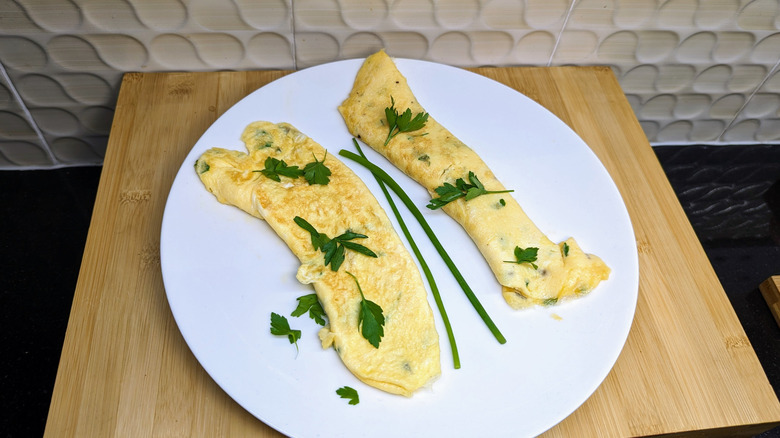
column 370, row 318
column 550, row 301
column 565, row 249
column 201, row 167
column 423, row 265
column 525, row 255
column 274, row 168
column 316, row 172
column 310, row 303
column 381, row 174
column 280, row 327
column 404, row 122
column 348, row 393
column 462, row 189
column 334, row 249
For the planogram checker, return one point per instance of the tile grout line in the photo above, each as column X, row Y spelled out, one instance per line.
column 294, row 41
column 752, row 93
column 28, row 115
column 560, row 33
column 755, row 90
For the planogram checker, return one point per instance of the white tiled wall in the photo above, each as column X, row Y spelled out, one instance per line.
column 695, row 71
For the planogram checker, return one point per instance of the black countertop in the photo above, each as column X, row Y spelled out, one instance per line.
column 731, row 195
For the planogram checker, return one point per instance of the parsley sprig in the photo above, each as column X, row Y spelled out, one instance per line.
column 315, row 172
column 525, row 255
column 274, row 168
column 336, row 247
column 280, row 327
column 462, row 189
column 310, row 303
column 349, row 394
column 402, row 122
column 371, row 321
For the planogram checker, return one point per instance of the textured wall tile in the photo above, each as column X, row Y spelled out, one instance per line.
column 20, row 145
column 14, row 19
column 7, row 99
column 13, row 124
column 663, row 52
column 763, row 105
column 504, row 15
column 691, row 106
column 81, row 150
column 22, row 53
column 19, row 154
column 456, row 14
column 461, row 33
column 703, row 131
column 692, row 70
column 66, row 59
column 533, row 48
column 450, row 47
column 721, row 50
column 760, row 117
column 727, row 107
column 758, row 15
column 545, row 13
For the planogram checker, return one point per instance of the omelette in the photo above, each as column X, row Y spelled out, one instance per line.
column 434, row 157
column 407, row 357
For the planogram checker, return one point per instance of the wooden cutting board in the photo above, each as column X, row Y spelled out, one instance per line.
column 770, row 289
column 126, row 371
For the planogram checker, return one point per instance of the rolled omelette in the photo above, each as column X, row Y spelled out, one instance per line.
column 497, row 224
column 408, row 355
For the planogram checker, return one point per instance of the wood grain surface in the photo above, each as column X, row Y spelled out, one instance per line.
column 770, row 289
column 687, row 367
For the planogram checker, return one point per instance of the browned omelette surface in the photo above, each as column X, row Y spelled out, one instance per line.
column 496, row 223
column 408, row 355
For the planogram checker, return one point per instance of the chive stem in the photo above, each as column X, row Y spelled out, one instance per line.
column 387, row 179
column 423, row 264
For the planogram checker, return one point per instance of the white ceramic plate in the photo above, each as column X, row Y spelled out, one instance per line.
column 225, row 272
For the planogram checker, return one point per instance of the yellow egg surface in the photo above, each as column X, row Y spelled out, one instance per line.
column 407, row 358
column 496, row 222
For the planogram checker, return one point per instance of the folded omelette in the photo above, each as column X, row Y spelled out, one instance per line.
column 498, row 225
column 408, row 355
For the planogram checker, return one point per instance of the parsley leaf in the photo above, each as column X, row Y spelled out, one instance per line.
column 318, row 240
column 334, row 249
column 565, row 249
column 403, row 122
column 527, row 255
column 462, row 189
column 316, row 172
column 370, row 318
column 280, row 327
column 275, row 167
column 349, row 393
column 310, row 303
